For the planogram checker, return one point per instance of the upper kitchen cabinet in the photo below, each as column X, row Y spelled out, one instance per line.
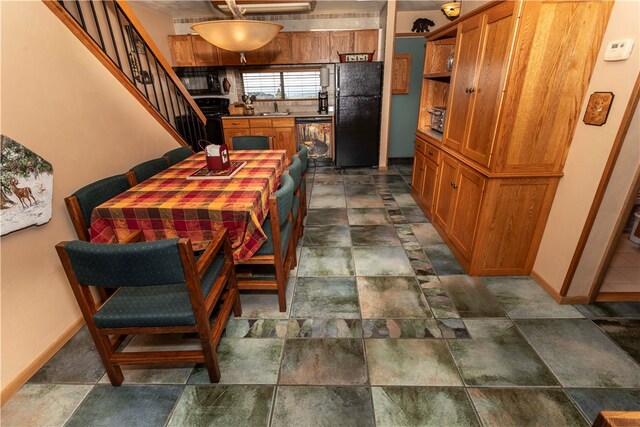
column 204, row 53
column 341, row 42
column 181, row 51
column 310, row 47
column 365, row 41
column 279, row 49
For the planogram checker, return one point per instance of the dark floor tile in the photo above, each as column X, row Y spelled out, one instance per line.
column 593, row 400
column 470, row 298
column 368, row 216
column 411, row 362
column 414, row 215
column 322, row 217
column 625, row 332
column 522, row 297
column 422, row 406
column 356, row 171
column 579, row 354
column 322, row 406
column 326, row 201
column 352, row 189
column 497, row 355
column 525, row 407
column 326, row 297
column 369, row 200
column 42, row 404
column 443, row 261
column 323, row 362
column 127, row 405
column 391, row 298
column 333, row 235
column 405, row 200
column 336, row 190
column 244, row 362
column 323, row 261
column 374, row 235
column 223, row 405
column 77, row 362
column 610, row 309
column 425, row 233
column 327, row 179
column 401, row 328
column 325, row 328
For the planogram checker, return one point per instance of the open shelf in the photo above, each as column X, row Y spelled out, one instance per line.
column 441, row 77
column 432, row 133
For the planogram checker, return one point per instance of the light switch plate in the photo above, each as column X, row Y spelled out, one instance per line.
column 618, row 50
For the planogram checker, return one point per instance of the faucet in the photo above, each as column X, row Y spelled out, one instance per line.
column 275, row 106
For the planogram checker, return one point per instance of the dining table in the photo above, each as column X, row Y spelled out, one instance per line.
column 174, row 204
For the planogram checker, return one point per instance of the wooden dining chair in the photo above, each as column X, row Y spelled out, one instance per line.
column 145, row 170
column 177, row 155
column 251, row 143
column 278, row 250
column 162, row 289
column 295, row 172
column 81, row 204
column 303, row 154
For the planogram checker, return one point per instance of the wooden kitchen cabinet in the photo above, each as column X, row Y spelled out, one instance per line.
column 512, row 103
column 280, row 49
column 310, row 47
column 285, row 139
column 181, row 49
column 342, row 42
column 204, row 53
column 365, row 41
column 282, row 129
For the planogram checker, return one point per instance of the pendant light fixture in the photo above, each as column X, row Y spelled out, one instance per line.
column 237, row 35
column 451, row 10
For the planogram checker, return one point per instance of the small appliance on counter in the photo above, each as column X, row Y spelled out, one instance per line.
column 437, row 118
column 323, row 95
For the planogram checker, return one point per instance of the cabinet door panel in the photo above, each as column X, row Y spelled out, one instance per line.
column 463, row 81
column 341, row 41
column 204, row 53
column 260, row 56
column 310, row 47
column 491, row 73
column 365, row 41
column 444, row 197
column 226, row 57
column 418, row 172
column 261, row 131
column 464, row 217
column 429, row 183
column 181, row 51
column 280, row 49
column 285, row 139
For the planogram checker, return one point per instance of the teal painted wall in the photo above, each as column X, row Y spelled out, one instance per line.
column 404, row 108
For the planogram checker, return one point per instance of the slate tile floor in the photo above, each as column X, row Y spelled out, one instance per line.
column 382, row 328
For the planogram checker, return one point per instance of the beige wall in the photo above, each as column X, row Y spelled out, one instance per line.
column 404, row 20
column 59, row 101
column 621, row 185
column 589, row 151
column 158, row 25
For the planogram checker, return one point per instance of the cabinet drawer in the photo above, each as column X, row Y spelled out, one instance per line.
column 260, row 123
column 283, row 123
column 420, row 145
column 432, row 153
column 235, row 123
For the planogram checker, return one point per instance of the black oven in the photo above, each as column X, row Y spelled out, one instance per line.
column 200, row 80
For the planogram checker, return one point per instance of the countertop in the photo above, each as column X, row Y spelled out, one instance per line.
column 268, row 116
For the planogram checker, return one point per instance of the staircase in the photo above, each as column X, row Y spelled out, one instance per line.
column 111, row 31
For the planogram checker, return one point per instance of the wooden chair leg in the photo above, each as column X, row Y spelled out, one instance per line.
column 233, row 286
column 211, row 361
column 103, row 344
column 281, row 281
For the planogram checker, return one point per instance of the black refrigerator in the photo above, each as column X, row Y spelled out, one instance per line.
column 358, row 109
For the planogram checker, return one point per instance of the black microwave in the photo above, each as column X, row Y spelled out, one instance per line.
column 200, row 80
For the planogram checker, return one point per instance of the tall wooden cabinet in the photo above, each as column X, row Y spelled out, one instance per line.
column 520, row 74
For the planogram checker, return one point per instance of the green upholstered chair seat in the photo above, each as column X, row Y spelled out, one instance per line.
column 149, row 306
column 296, row 207
column 285, row 235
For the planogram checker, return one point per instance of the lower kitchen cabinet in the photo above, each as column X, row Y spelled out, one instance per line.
column 492, row 223
column 281, row 129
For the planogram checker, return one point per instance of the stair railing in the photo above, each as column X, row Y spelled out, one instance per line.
column 116, row 37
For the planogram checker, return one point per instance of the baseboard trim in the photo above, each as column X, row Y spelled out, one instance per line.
column 14, row 385
column 553, row 293
column 618, row 296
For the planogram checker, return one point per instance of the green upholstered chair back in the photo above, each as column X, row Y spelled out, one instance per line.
column 284, row 198
column 178, row 154
column 303, row 153
column 133, row 264
column 250, row 142
column 295, row 170
column 146, row 170
column 99, row 192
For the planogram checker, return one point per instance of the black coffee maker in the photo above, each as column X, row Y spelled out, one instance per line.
column 323, row 95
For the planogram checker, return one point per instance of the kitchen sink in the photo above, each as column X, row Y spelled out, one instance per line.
column 284, row 113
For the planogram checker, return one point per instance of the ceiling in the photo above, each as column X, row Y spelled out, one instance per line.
column 190, row 8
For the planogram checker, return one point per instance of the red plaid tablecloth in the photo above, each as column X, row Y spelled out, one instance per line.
column 168, row 205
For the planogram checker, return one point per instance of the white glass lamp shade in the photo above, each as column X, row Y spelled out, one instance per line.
column 237, row 35
column 451, row 10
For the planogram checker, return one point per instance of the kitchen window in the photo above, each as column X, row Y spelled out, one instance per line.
column 295, row 84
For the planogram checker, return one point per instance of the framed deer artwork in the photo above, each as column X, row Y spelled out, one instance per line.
column 26, row 187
